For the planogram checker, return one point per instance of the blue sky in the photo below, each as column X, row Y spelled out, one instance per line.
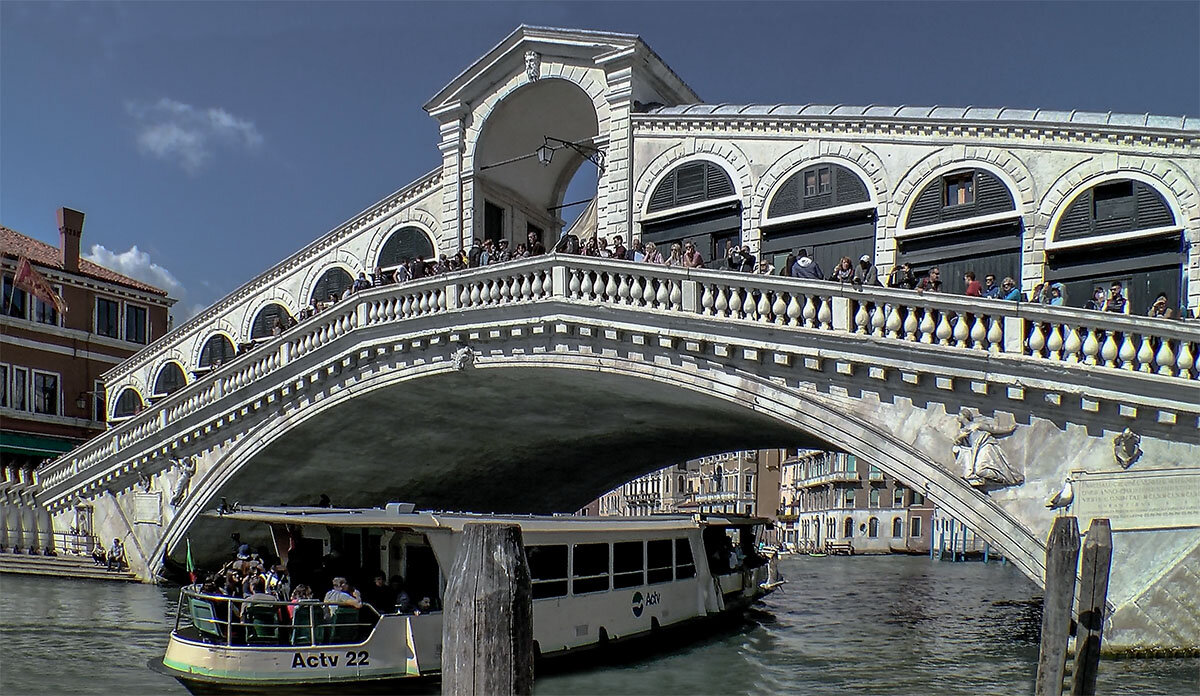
column 218, row 138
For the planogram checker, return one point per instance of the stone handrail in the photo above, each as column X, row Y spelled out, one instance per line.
column 1062, row 334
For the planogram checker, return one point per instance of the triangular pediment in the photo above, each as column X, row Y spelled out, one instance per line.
column 574, row 45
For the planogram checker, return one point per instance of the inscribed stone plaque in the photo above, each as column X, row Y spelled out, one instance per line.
column 1149, row 499
column 147, row 508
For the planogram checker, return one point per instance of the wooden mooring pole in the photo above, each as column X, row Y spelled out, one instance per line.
column 487, row 628
column 1093, row 594
column 1062, row 559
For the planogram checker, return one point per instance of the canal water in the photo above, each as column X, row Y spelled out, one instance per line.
column 860, row 625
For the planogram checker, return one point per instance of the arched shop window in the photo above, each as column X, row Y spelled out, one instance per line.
column 170, row 380
column 264, row 321
column 1120, row 231
column 706, row 226
column 405, row 243
column 217, row 349
column 332, row 282
column 971, row 224
column 129, row 403
column 838, row 221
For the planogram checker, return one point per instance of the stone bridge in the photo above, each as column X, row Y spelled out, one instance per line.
column 536, row 385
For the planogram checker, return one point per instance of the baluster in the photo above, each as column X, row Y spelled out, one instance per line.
column 735, row 302
column 585, row 287
column 623, row 289
column 541, row 286
column 945, row 330
column 911, row 323
column 810, row 311
column 610, row 289
column 526, row 292
column 862, row 321
column 574, row 285
column 648, row 292
column 495, row 294
column 794, row 310
column 441, row 299
column 706, row 300
column 825, row 313
column 878, row 321
column 1108, row 350
column 1165, row 358
column 978, row 333
column 425, row 303
column 894, row 323
column 1127, row 352
column 927, row 326
column 779, row 309
column 676, row 295
column 1091, row 347
column 763, row 308
column 406, row 309
column 1036, row 340
column 372, row 312
column 1145, row 355
column 635, row 291
column 476, row 295
column 995, row 335
column 1054, row 343
column 721, row 306
column 1072, row 345
column 749, row 306
column 662, row 299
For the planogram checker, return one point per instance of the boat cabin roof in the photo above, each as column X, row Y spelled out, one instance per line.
column 454, row 521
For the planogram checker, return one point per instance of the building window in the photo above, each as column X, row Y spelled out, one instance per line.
column 129, row 403
column 108, row 317
column 914, row 527
column 3, row 386
column 493, row 221
column 851, row 462
column 749, row 483
column 99, row 406
column 848, row 528
column 15, row 299
column 848, row 497
column 45, row 393
column 873, row 527
column 45, row 313
column 18, row 395
column 875, row 497
column 897, row 528
column 918, row 498
column 898, row 497
column 960, row 189
column 136, row 328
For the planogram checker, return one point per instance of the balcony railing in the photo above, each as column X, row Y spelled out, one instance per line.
column 975, row 326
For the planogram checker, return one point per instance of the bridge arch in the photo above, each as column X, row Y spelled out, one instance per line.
column 779, row 409
column 170, row 378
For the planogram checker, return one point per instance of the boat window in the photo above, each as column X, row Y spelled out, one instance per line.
column 658, row 561
column 628, row 564
column 590, row 570
column 548, row 570
column 685, row 567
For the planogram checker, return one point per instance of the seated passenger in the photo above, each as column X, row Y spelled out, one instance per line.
column 98, row 557
column 116, row 556
column 404, row 603
column 380, row 595
column 300, row 594
column 342, row 595
column 424, row 606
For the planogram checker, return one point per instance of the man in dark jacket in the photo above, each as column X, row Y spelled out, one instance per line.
column 473, row 254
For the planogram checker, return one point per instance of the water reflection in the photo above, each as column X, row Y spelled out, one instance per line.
column 841, row 625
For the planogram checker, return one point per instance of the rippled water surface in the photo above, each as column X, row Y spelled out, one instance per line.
column 863, row 625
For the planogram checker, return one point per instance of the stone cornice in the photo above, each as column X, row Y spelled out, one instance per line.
column 388, row 205
column 896, row 128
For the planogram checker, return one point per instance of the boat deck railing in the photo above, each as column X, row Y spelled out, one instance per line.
column 233, row 621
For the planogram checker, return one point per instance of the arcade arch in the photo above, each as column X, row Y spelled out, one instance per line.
column 169, row 380
column 1117, row 229
column 264, row 322
column 218, row 349
column 129, row 403
column 332, row 283
column 825, row 208
column 516, row 191
column 404, row 243
column 695, row 201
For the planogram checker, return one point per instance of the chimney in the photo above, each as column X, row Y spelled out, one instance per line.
column 70, row 227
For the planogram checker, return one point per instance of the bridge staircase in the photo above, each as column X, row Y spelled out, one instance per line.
column 65, row 566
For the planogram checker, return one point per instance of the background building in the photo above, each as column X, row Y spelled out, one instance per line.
column 51, row 394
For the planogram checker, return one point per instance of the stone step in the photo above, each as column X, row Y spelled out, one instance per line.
column 60, row 566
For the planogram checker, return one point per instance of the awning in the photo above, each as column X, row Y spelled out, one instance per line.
column 38, row 445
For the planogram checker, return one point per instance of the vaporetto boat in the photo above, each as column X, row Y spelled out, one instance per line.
column 596, row 581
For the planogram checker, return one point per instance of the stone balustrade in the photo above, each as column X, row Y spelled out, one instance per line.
column 969, row 325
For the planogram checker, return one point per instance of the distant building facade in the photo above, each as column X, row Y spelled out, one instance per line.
column 51, row 394
column 830, row 498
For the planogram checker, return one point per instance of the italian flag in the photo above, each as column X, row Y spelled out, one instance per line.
column 191, row 567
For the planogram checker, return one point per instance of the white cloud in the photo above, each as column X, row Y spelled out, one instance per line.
column 136, row 264
column 174, row 131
